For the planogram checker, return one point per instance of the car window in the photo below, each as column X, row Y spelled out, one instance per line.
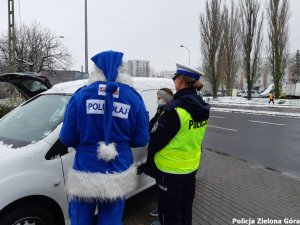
column 150, row 97
column 33, row 120
column 34, row 85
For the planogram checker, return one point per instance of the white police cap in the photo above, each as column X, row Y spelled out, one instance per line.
column 188, row 71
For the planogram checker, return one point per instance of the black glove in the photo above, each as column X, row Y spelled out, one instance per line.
column 140, row 168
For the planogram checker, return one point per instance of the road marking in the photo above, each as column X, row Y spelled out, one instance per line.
column 255, row 121
column 223, row 128
column 221, row 117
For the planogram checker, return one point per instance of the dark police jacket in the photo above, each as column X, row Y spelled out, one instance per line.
column 168, row 123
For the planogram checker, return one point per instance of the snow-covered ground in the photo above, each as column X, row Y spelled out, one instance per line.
column 254, row 101
column 9, row 102
column 233, row 104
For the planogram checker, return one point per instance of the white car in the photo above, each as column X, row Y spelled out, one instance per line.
column 34, row 163
column 241, row 93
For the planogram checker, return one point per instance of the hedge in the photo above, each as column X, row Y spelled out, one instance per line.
column 5, row 109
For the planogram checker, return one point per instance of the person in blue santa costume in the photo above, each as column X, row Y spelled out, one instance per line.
column 103, row 120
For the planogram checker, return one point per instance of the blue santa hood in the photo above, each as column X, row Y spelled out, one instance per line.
column 108, row 62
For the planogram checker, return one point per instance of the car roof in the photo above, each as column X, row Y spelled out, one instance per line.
column 139, row 83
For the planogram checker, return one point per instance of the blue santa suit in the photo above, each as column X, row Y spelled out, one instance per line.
column 102, row 122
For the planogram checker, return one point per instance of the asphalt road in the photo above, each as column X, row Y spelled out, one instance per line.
column 267, row 141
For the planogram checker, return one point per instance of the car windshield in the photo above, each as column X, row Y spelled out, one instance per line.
column 33, row 120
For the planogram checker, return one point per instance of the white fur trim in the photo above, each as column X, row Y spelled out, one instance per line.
column 96, row 75
column 107, row 152
column 88, row 186
column 123, row 77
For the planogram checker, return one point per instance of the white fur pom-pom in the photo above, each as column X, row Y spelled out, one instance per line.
column 107, row 152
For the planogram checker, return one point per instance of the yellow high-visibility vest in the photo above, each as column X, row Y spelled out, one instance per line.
column 182, row 154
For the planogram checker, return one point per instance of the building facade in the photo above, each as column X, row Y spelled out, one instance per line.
column 265, row 77
column 60, row 76
column 138, row 68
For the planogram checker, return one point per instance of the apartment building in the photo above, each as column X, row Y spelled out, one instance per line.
column 138, row 68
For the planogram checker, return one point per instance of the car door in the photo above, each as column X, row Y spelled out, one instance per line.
column 27, row 83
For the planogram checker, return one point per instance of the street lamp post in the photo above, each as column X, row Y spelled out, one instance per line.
column 182, row 46
column 11, row 38
column 86, row 39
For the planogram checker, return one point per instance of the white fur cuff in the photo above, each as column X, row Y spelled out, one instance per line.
column 123, row 77
column 88, row 186
column 107, row 152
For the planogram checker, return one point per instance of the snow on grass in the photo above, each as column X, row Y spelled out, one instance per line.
column 253, row 102
column 234, row 102
column 257, row 112
column 8, row 102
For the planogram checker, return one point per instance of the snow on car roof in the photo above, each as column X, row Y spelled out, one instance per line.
column 139, row 83
column 148, row 83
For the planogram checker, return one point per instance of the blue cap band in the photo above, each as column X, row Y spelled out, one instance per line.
column 186, row 73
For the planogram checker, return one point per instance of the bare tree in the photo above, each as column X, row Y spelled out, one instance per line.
column 231, row 45
column 37, row 49
column 295, row 68
column 211, row 31
column 251, row 37
column 278, row 15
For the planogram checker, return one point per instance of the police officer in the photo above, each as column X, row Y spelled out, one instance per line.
column 103, row 121
column 176, row 141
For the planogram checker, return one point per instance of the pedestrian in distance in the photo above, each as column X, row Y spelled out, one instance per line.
column 164, row 96
column 271, row 97
column 176, row 142
column 103, row 120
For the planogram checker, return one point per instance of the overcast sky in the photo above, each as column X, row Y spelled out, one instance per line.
column 142, row 29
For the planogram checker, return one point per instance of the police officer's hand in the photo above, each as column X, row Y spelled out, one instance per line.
column 140, row 168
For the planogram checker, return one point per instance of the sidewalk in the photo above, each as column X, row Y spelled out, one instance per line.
column 228, row 190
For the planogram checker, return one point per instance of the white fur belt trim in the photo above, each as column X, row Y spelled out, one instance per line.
column 106, row 152
column 89, row 186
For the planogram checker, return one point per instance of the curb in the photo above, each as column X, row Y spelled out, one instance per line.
column 249, row 111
